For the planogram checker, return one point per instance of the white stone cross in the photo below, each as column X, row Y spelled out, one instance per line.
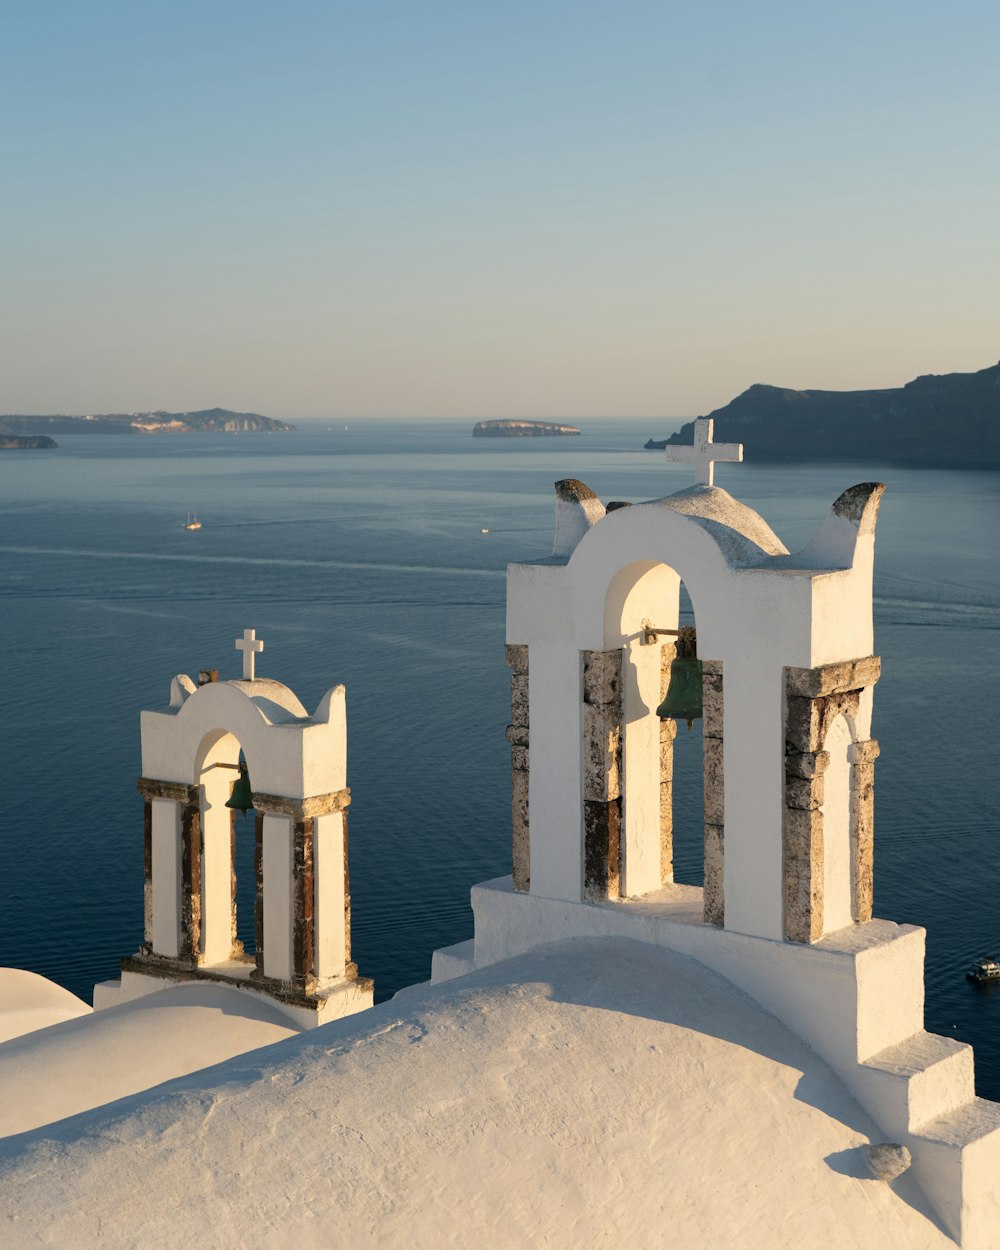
column 703, row 453
column 249, row 644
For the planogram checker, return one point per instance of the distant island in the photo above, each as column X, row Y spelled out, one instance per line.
column 14, row 442
column 949, row 420
column 205, row 421
column 520, row 429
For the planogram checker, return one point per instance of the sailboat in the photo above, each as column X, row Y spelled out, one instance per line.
column 192, row 523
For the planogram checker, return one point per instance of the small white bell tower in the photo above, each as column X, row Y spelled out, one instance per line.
column 296, row 765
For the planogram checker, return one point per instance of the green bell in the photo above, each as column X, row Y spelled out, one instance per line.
column 241, row 799
column 683, row 700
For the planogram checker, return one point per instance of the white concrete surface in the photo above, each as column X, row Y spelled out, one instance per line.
column 599, row 1094
column 29, row 1002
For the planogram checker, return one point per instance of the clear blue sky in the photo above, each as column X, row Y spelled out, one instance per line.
column 470, row 208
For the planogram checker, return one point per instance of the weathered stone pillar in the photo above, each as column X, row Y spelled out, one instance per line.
column 517, row 735
column 668, row 732
column 863, row 756
column 191, row 880
column 602, row 804
column 303, row 899
column 182, row 922
column 147, row 874
column 236, row 944
column 258, row 904
column 308, row 884
column 814, row 698
column 714, row 900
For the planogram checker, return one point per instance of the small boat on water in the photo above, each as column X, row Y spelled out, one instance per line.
column 985, row 969
column 192, row 523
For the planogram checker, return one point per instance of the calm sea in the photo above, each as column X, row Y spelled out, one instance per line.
column 356, row 552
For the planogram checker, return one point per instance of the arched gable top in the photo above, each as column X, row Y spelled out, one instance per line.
column 626, row 570
column 266, row 720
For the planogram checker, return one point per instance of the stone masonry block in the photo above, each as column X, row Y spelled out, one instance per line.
column 864, row 752
column 806, row 764
column 601, row 753
column 519, row 699
column 714, row 781
column 602, row 677
column 666, row 833
column 516, row 655
column 814, row 683
column 602, row 850
column 805, row 794
column 803, row 874
column 667, row 653
column 714, row 894
column 803, row 721
column 667, row 755
column 521, row 843
column 519, row 758
column 713, row 704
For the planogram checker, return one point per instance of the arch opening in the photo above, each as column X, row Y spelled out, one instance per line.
column 662, row 764
column 229, row 877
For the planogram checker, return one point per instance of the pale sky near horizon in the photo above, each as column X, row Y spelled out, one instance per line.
column 492, row 209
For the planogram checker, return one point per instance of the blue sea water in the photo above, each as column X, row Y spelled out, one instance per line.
column 356, row 552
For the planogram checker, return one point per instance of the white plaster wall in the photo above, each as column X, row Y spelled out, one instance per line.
column 641, row 764
column 555, row 782
column 838, row 850
column 754, row 795
column 216, row 866
column 842, row 627
column 328, row 908
column 278, row 897
column 166, row 868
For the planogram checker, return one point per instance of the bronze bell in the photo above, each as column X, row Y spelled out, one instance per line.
column 683, row 700
column 241, row 799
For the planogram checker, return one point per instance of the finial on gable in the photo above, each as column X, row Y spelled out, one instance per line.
column 852, row 517
column 180, row 688
column 577, row 509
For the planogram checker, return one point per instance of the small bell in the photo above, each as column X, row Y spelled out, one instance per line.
column 683, row 700
column 241, row 799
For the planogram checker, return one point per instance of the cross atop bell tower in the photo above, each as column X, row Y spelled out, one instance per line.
column 703, row 453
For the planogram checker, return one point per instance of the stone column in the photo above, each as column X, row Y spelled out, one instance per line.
column 147, row 874
column 714, row 900
column 258, row 904
column 863, row 756
column 602, row 804
column 293, row 822
column 517, row 735
column 191, row 879
column 668, row 732
column 161, row 868
column 814, row 698
column 303, row 900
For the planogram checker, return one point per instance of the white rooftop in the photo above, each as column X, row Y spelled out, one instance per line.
column 594, row 1093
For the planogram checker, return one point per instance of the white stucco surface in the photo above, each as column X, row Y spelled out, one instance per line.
column 87, row 1062
column 595, row 1094
column 29, row 1002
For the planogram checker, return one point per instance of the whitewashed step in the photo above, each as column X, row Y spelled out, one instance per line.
column 920, row 1079
column 956, row 1161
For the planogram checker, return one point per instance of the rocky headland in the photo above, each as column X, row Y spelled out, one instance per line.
column 520, row 429
column 206, row 420
column 14, row 442
column 949, row 420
